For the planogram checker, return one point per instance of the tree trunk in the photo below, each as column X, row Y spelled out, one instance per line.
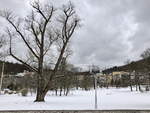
column 136, row 87
column 64, row 90
column 56, row 92
column 131, row 87
column 67, row 91
column 139, row 87
column 131, row 84
column 93, row 83
column 40, row 97
column 40, row 93
column 60, row 91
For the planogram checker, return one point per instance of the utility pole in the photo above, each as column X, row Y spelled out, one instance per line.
column 95, row 83
column 2, row 75
column 95, row 91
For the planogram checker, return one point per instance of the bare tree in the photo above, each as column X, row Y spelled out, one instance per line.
column 39, row 33
column 146, row 54
column 146, row 60
column 128, row 62
column 69, row 22
column 2, row 56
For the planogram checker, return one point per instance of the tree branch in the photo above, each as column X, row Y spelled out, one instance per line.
column 35, row 35
column 18, row 59
column 22, row 38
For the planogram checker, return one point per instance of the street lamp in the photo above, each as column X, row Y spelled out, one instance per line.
column 95, row 79
column 95, row 84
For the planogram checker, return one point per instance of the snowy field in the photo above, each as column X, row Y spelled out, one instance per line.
column 108, row 99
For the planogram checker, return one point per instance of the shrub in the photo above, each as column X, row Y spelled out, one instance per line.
column 24, row 92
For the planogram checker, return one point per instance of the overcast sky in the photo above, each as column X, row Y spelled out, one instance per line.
column 112, row 30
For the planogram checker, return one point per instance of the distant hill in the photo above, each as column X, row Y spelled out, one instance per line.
column 140, row 65
column 12, row 68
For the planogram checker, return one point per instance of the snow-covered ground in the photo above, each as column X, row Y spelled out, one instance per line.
column 80, row 100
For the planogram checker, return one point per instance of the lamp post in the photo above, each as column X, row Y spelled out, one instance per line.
column 95, row 79
column 95, row 84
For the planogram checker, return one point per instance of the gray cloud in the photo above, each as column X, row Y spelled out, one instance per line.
column 111, row 32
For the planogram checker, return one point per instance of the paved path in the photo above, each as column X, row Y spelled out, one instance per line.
column 80, row 111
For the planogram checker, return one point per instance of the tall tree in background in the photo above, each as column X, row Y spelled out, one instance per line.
column 145, row 55
column 128, row 62
column 39, row 32
column 3, row 54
